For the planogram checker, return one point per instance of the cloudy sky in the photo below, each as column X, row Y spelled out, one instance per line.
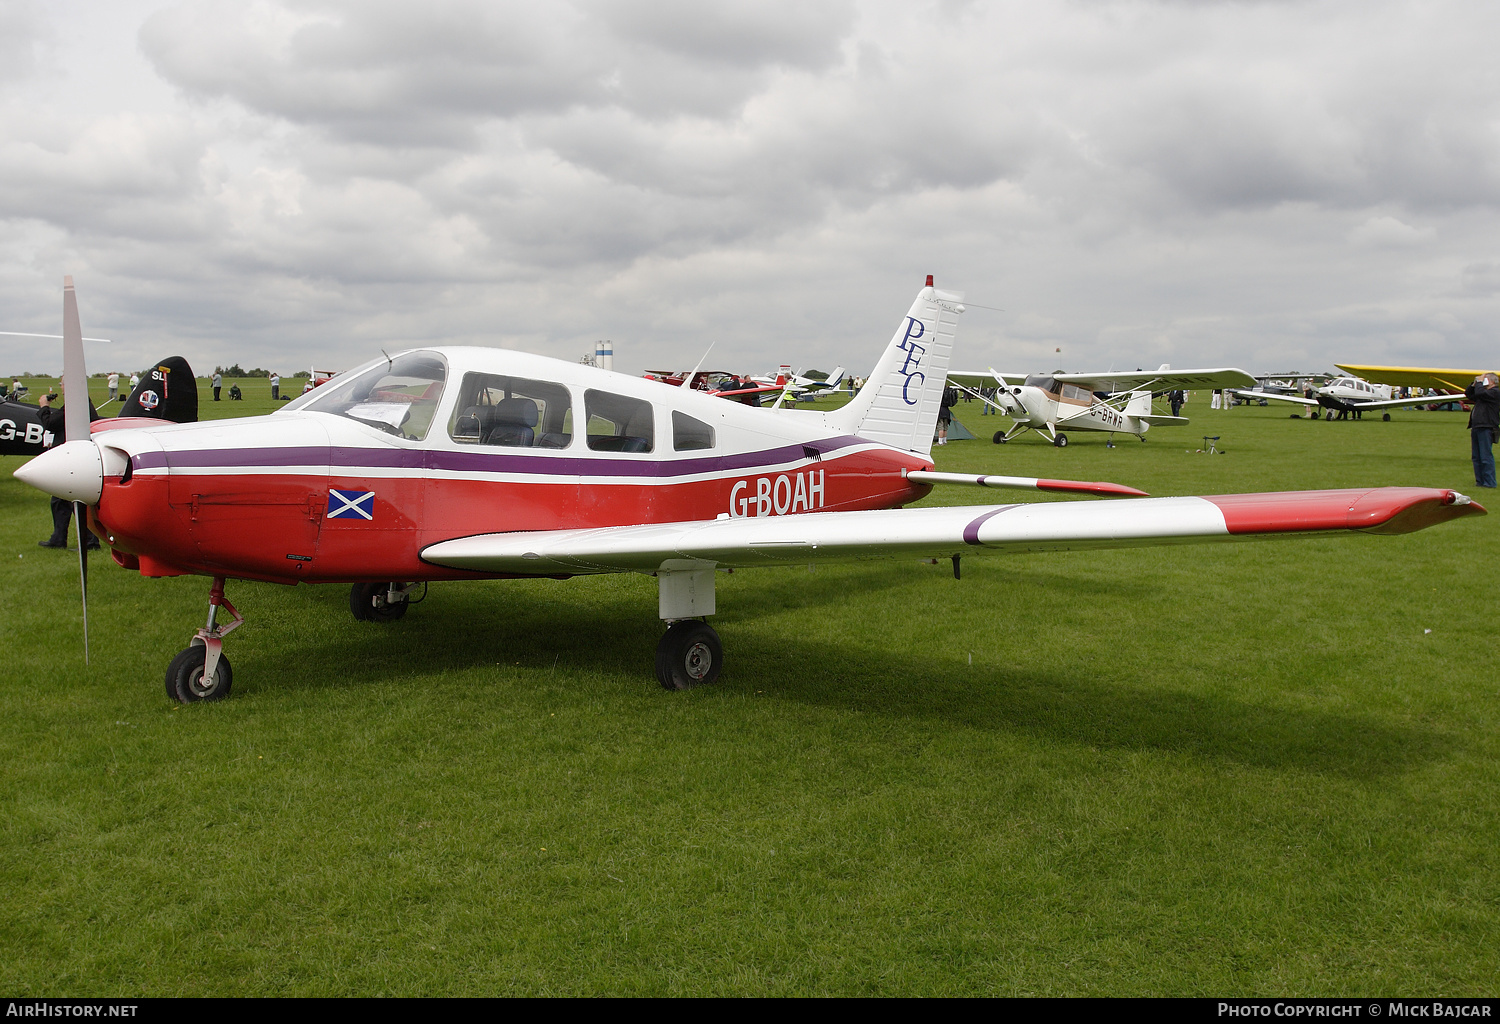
column 281, row 183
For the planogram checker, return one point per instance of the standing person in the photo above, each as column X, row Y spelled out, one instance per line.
column 62, row 509
column 275, row 387
column 218, row 383
column 986, row 395
column 135, row 379
column 114, row 387
column 1214, row 402
column 945, row 413
column 1484, row 420
column 1175, row 399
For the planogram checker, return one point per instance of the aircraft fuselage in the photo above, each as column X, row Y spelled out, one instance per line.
column 313, row 493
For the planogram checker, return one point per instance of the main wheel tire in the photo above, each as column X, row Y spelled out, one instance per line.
column 1386, row 418
column 367, row 601
column 688, row 655
column 185, row 677
column 1061, row 441
column 999, row 437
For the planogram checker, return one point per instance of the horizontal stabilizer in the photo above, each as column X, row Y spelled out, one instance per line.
column 1165, row 421
column 1026, row 483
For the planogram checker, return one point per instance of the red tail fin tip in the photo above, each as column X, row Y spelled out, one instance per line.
column 929, row 280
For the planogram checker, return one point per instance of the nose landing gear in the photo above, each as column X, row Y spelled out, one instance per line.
column 201, row 672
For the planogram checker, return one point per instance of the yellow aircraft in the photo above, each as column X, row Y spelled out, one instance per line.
column 1414, row 376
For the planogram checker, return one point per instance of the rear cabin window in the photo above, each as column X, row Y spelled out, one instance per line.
column 690, row 435
column 1076, row 392
column 512, row 412
column 617, row 423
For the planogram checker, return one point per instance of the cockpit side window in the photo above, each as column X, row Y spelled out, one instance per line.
column 398, row 396
column 689, row 434
column 1038, row 380
column 512, row 412
column 617, row 423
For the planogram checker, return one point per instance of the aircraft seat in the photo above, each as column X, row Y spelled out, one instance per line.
column 515, row 423
column 474, row 423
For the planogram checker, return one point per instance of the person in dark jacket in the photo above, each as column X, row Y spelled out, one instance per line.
column 62, row 511
column 1484, row 420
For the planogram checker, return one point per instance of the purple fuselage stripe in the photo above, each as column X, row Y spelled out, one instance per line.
column 347, row 461
column 971, row 532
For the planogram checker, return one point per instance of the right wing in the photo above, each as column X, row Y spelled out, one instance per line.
column 985, row 378
column 1274, row 397
column 1117, row 382
column 945, row 532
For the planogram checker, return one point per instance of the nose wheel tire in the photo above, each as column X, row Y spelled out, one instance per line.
column 688, row 655
column 185, row 682
column 369, row 602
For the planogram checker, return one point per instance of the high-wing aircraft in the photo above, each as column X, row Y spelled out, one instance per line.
column 454, row 463
column 1453, row 381
column 1345, row 395
column 1110, row 401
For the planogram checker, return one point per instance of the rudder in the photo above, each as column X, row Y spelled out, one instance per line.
column 899, row 403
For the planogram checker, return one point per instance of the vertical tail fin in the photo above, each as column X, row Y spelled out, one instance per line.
column 1139, row 404
column 899, row 403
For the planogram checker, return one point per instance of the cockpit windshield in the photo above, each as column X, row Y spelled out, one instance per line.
column 1040, row 380
column 398, row 396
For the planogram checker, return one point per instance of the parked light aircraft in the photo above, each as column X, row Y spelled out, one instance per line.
column 1112, row 402
column 451, row 463
column 1344, row 395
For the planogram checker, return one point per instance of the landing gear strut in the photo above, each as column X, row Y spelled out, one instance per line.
column 690, row 653
column 201, row 672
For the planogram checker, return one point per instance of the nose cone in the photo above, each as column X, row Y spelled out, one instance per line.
column 74, row 471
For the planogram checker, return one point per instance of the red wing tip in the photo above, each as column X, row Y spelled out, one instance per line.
column 1388, row 510
column 1090, row 487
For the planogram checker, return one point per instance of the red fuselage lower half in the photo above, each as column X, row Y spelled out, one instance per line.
column 341, row 515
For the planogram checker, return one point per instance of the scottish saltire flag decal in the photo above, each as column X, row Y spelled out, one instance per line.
column 351, row 504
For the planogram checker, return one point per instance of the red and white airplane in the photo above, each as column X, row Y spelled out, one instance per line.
column 450, row 463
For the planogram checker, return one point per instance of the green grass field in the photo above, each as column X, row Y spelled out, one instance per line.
column 1220, row 770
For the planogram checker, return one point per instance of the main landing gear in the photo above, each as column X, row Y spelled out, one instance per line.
column 689, row 654
column 380, row 602
column 201, row 672
column 1061, row 440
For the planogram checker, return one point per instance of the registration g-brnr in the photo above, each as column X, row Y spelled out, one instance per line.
column 459, row 463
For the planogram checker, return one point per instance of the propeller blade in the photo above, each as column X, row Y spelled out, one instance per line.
column 76, row 423
column 80, row 511
column 75, row 377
